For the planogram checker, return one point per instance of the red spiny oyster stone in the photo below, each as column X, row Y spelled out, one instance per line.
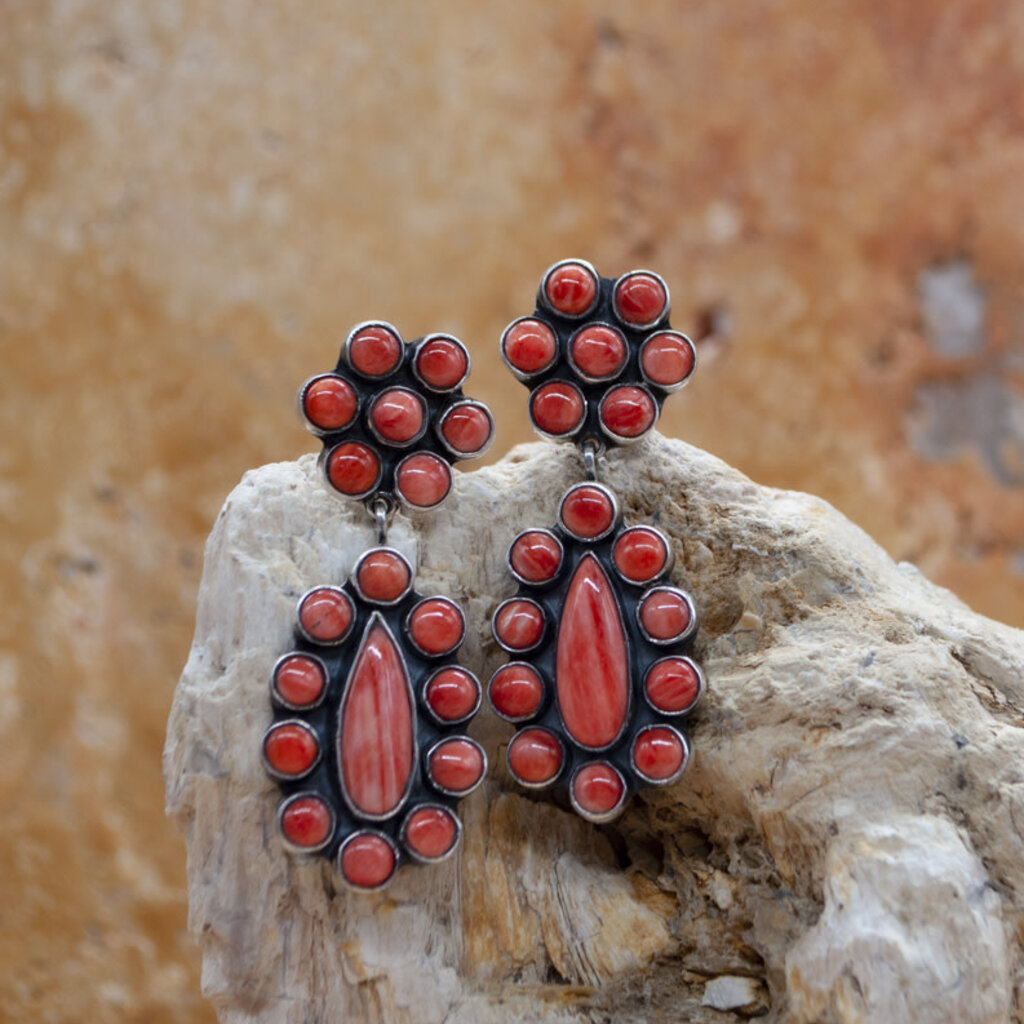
column 535, row 756
column 382, row 575
column 398, row 415
column 299, row 680
column 376, row 739
column 436, row 626
column 571, row 289
column 367, row 861
column 529, row 345
column 452, row 694
column 325, row 615
column 536, row 556
column 441, row 363
column 592, row 663
column 306, row 821
column 628, row 411
column 467, row 427
column 519, row 624
column 457, row 765
column 640, row 554
column 374, row 351
column 516, row 691
column 658, row 753
column 598, row 788
column 290, row 749
column 557, row 408
column 423, row 479
column 598, row 351
column 430, row 832
column 587, row 511
column 672, row 685
column 665, row 614
column 329, row 402
column 667, row 358
column 640, row 299
column 353, row 468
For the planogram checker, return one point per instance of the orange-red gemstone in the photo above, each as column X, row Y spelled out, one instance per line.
column 535, row 756
column 307, row 821
column 587, row 511
column 592, row 663
column 367, row 861
column 299, row 680
column 383, row 576
column 672, row 685
column 441, row 363
column 353, row 468
column 536, row 556
column 398, row 415
column 374, row 351
column 452, row 694
column 423, row 479
column 640, row 554
column 325, row 615
column 519, row 624
column 376, row 740
column 640, row 299
column 516, row 691
column 665, row 614
column 529, row 345
column 658, row 752
column 667, row 358
column 329, row 402
column 290, row 748
column 598, row 351
column 571, row 289
column 457, row 765
column 430, row 832
column 467, row 427
column 557, row 408
column 598, row 788
column 436, row 626
column 628, row 411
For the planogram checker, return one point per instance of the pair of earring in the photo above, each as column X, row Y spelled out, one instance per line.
column 370, row 708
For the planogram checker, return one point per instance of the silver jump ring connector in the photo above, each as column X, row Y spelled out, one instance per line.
column 590, row 450
column 381, row 509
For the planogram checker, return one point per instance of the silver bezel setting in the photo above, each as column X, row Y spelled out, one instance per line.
column 607, row 378
column 284, row 776
column 326, row 459
column 451, row 721
column 543, row 692
column 430, row 775
column 448, row 445
column 522, row 374
column 669, row 556
column 519, row 650
column 621, row 439
column 391, row 329
column 356, row 834
column 422, row 508
column 598, row 819
column 649, row 380
column 412, row 640
column 650, row 323
column 418, row 857
column 536, row 785
column 354, row 577
column 276, row 697
column 523, row 579
column 700, row 685
column 615, row 511
column 279, row 818
column 315, row 640
column 546, row 302
column 301, row 405
column 421, row 344
column 676, row 775
column 583, row 415
column 378, row 436
column 681, row 637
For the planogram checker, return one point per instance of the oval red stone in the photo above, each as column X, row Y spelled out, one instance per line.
column 598, row 788
column 673, row 685
column 640, row 299
column 398, row 415
column 667, row 358
column 529, row 345
column 436, row 626
column 441, row 363
column 535, row 556
column 423, row 479
column 290, row 749
column 376, row 745
column 430, row 832
column 587, row 511
column 306, row 821
column 299, row 680
column 353, row 468
column 467, row 427
column 457, row 765
column 325, row 615
column 383, row 576
column 640, row 554
column 665, row 614
column 329, row 402
column 557, row 408
column 367, row 861
column 519, row 624
column 452, row 694
column 571, row 289
column 628, row 411
column 598, row 351
column 658, row 753
column 535, row 756
column 516, row 691
column 374, row 351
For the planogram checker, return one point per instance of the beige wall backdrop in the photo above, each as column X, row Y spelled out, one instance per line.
column 199, row 197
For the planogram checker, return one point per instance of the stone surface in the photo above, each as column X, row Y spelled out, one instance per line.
column 845, row 845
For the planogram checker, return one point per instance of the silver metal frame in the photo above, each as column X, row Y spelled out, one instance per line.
column 279, row 816
column 418, row 857
column 544, row 288
column 686, row 755
column 354, row 576
column 544, row 691
column 347, row 348
column 420, row 604
column 516, row 372
column 621, row 439
column 519, row 650
column 288, row 705
column 423, row 508
column 523, row 579
column 314, row 640
column 650, row 323
column 616, row 512
column 669, row 556
column 459, row 793
column 447, row 444
column 301, row 405
column 424, row 425
column 536, row 785
column 326, row 458
column 280, row 724
column 598, row 819
column 701, row 685
column 421, row 344
column 586, row 376
column 355, row 834
column 654, row 383
column 682, row 637
column 451, row 721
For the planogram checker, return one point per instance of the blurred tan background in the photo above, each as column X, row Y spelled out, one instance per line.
column 198, row 198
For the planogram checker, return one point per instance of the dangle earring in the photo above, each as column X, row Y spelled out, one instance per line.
column 602, row 680
column 367, row 741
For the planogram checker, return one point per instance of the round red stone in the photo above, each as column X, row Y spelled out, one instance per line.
column 423, row 479
column 673, row 685
column 598, row 788
column 325, row 615
column 557, row 408
column 667, row 358
column 353, row 468
column 367, row 861
column 374, row 351
column 299, row 680
column 516, row 691
column 436, row 626
column 571, row 289
column 398, row 415
column 628, row 411
column 598, row 351
column 307, row 821
column 665, row 614
column 529, row 345
column 535, row 756
column 536, row 556
column 457, row 765
column 452, row 694
column 290, row 749
column 640, row 299
column 640, row 554
column 519, row 624
column 329, row 402
column 430, row 832
column 658, row 752
column 467, row 428
column 441, row 363
column 587, row 511
column 383, row 576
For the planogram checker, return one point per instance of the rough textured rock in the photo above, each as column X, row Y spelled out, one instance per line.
column 848, row 836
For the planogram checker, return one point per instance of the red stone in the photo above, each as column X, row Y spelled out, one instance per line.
column 592, row 662
column 367, row 861
column 329, row 402
column 516, row 691
column 535, row 756
column 467, row 428
column 519, row 624
column 423, row 479
column 307, row 821
column 536, row 556
column 353, row 468
column 571, row 289
column 325, row 615
column 290, row 749
column 441, row 363
column 557, row 408
column 457, row 765
column 598, row 788
column 436, row 626
column 667, row 358
column 640, row 554
column 529, row 345
column 598, row 351
column 383, row 576
column 299, row 680
column 431, row 832
column 673, row 685
column 587, row 511
column 658, row 752
column 374, row 351
column 665, row 614
column 640, row 299
column 628, row 411
column 452, row 694
column 398, row 415
column 376, row 744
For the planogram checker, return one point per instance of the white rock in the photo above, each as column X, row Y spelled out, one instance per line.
column 732, row 992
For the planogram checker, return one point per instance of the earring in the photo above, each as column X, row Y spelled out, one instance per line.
column 367, row 743
column 602, row 680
